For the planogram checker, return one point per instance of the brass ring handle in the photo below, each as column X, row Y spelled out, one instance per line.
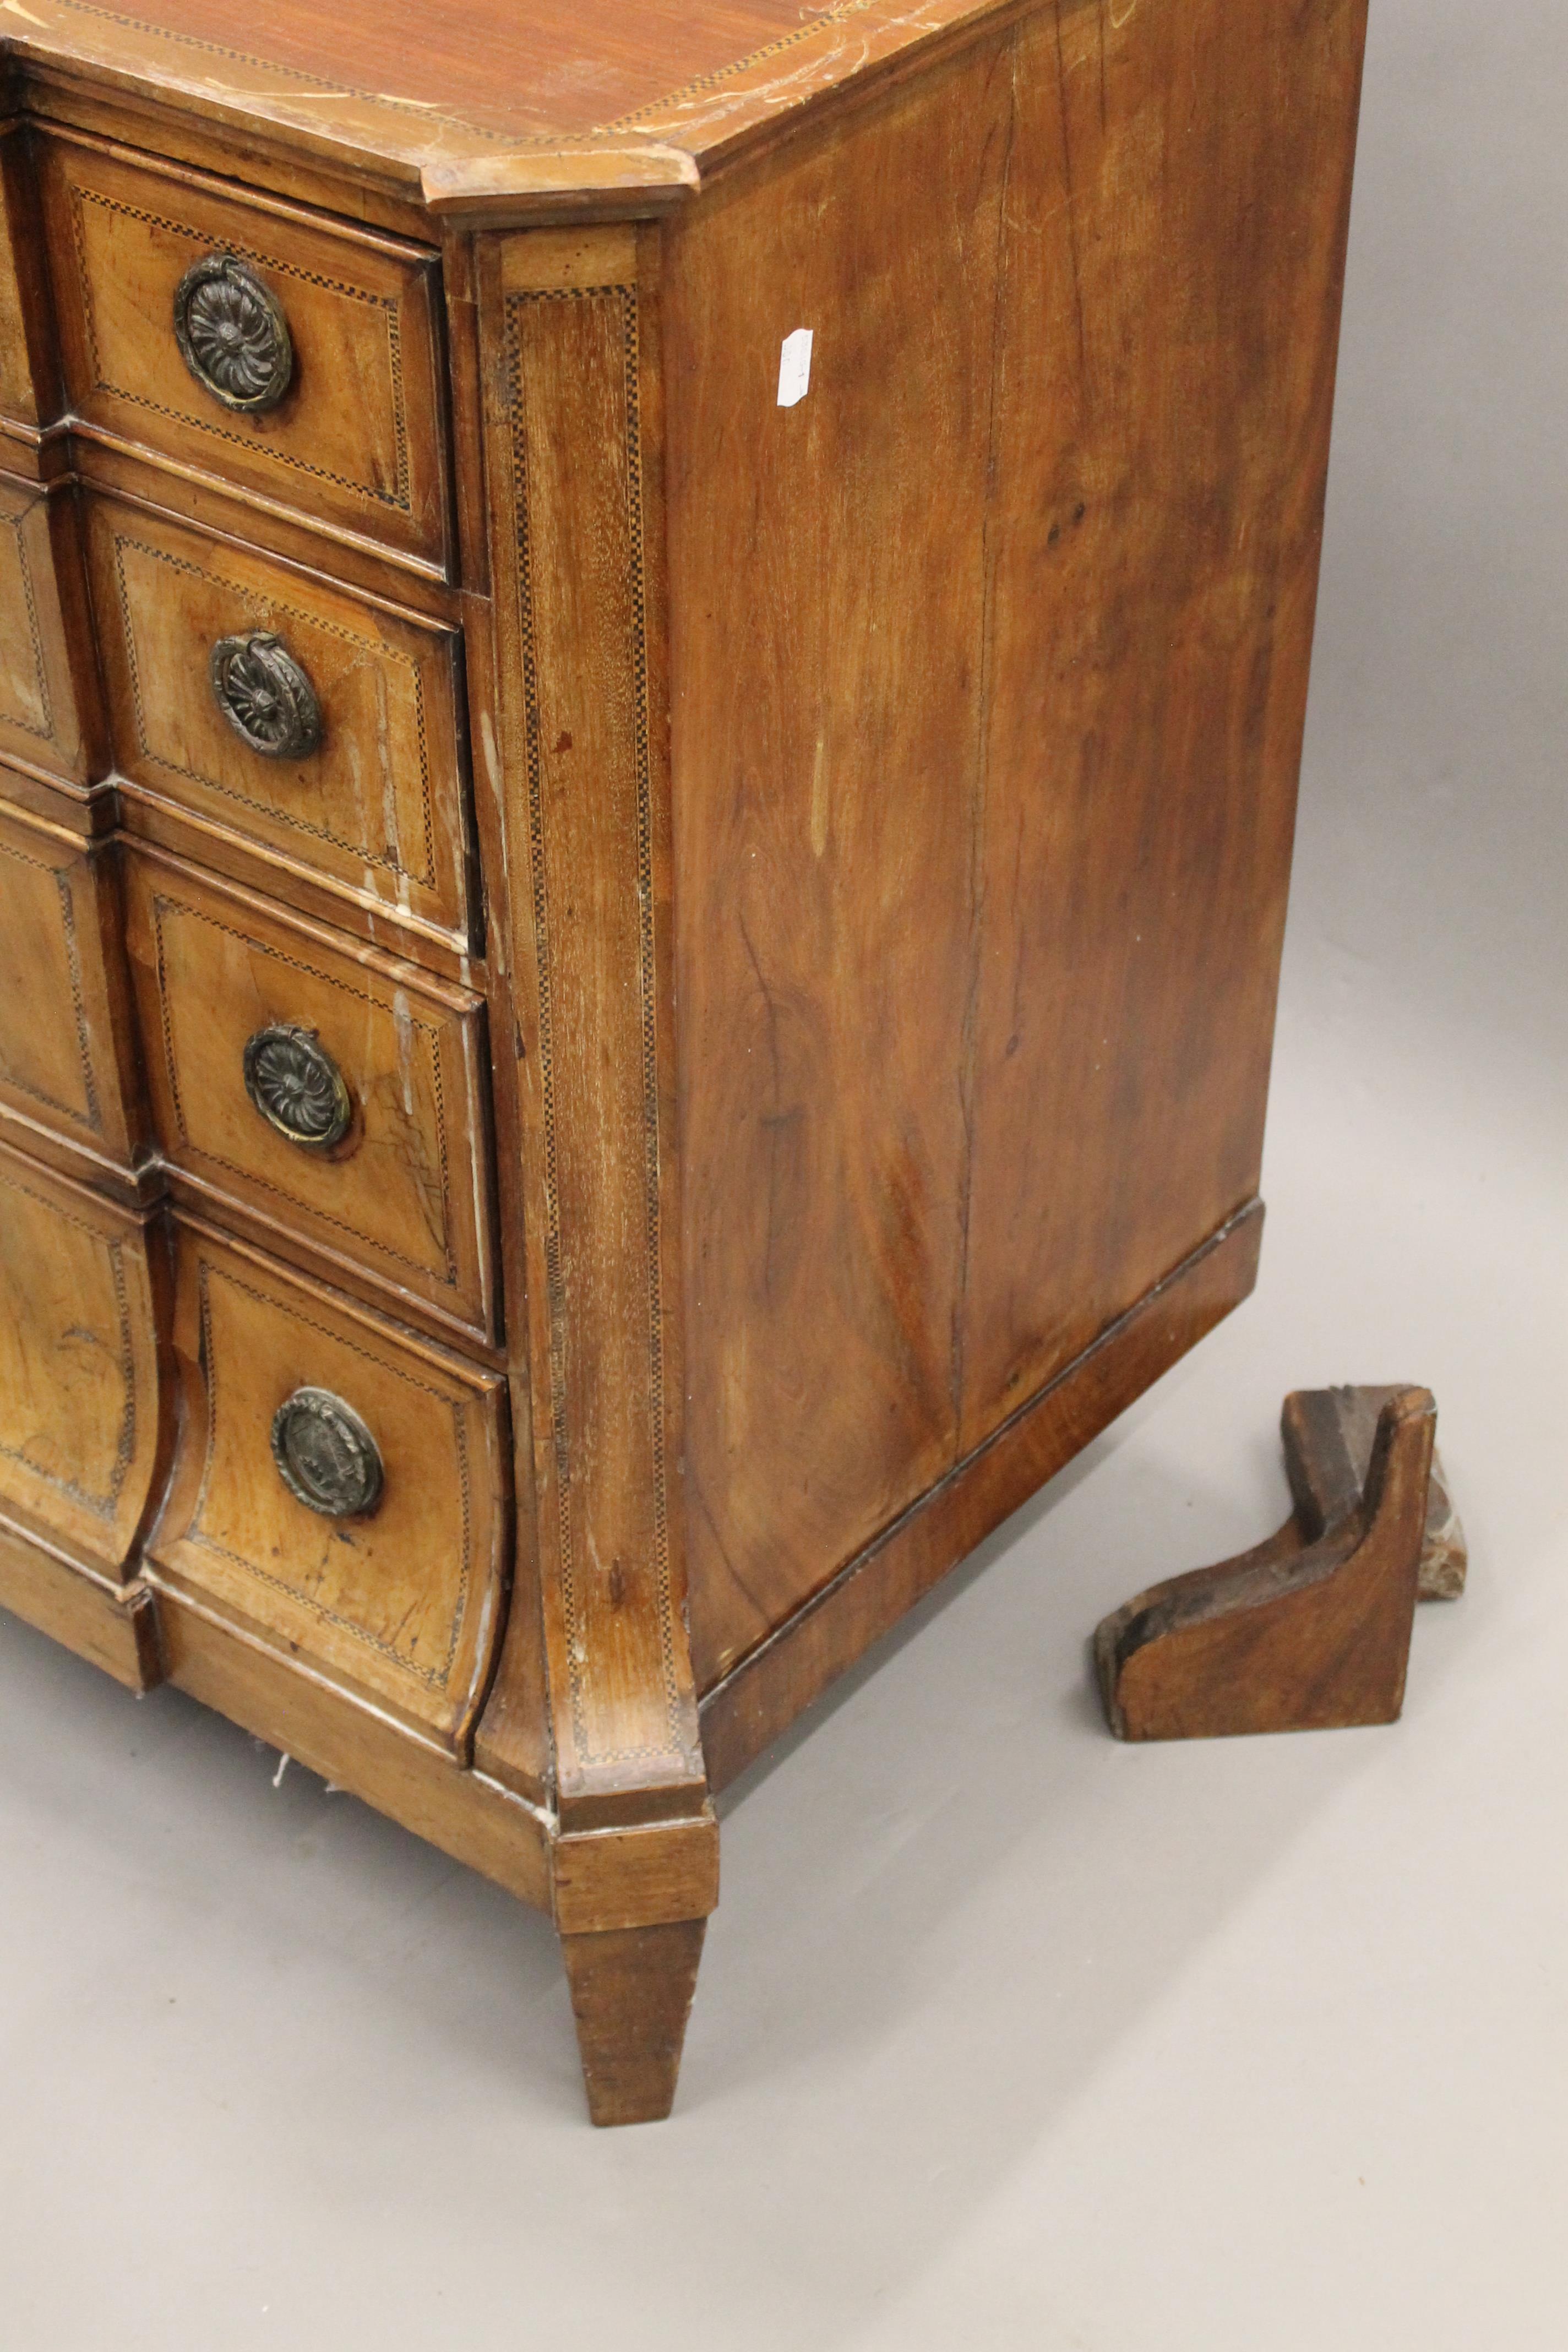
column 326, row 1456
column 265, row 696
column 233, row 335
column 297, row 1087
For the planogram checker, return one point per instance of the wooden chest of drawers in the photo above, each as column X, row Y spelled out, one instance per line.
column 651, row 680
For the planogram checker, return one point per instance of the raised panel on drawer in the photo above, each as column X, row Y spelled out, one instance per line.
column 404, row 1196
column 357, row 441
column 64, row 1027
column 378, row 809
column 79, row 1364
column 402, row 1602
column 43, row 631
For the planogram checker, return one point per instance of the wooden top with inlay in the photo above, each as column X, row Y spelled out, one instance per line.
column 488, row 103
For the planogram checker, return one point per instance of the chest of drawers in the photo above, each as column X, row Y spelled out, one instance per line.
column 638, row 947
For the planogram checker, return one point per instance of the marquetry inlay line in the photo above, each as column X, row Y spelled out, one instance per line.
column 94, row 1114
column 44, row 726
column 624, row 299
column 435, row 1676
column 822, row 20
column 264, row 609
column 400, row 499
column 449, row 1270
column 104, row 1505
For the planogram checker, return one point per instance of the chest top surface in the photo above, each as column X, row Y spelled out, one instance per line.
column 479, row 98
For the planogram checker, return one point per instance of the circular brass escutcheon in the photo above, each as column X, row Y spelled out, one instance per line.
column 326, row 1456
column 233, row 335
column 265, row 696
column 297, row 1088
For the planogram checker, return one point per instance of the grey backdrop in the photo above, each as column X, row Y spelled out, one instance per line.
column 1253, row 2046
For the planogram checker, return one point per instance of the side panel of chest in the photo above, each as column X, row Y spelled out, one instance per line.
column 989, row 669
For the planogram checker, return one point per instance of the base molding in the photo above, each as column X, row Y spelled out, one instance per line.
column 628, row 1900
column 114, row 1626
column 759, row 1698
column 329, row 1731
column 144, row 1632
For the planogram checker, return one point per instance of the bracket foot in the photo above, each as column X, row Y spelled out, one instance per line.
column 1310, row 1631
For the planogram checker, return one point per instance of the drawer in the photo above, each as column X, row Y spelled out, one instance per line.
column 324, row 1090
column 290, row 357
column 320, row 725
column 79, row 1364
column 18, row 397
column 339, row 1490
column 66, row 1056
column 41, row 701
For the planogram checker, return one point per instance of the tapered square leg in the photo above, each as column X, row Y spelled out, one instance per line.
column 631, row 1993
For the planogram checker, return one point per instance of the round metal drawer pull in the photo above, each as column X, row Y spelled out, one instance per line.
column 265, row 696
column 297, row 1088
column 326, row 1456
column 233, row 335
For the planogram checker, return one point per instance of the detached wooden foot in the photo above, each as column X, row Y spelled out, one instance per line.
column 1310, row 1631
column 631, row 1992
column 1444, row 1557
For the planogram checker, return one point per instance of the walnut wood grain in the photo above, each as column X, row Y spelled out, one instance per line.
column 48, row 716
column 491, row 111
column 139, row 111
column 513, row 1739
column 359, row 436
column 986, row 751
column 140, row 1189
column 654, row 1875
column 112, row 1626
column 404, row 1197
column 377, row 810
column 631, row 1995
column 402, row 1605
column 1341, row 1449
column 20, row 255
column 354, row 1745
column 1308, row 1632
column 66, row 1052
column 572, row 437
column 246, row 521
column 762, row 1696
column 879, row 826
column 80, row 1309
column 88, row 811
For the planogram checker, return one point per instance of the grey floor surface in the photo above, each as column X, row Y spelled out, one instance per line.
column 1006, row 2036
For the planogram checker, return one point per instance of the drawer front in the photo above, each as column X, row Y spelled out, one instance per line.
column 79, row 1364
column 179, row 298
column 320, row 725
column 330, row 1092
column 339, row 1489
column 40, row 721
column 64, row 1026
column 17, row 397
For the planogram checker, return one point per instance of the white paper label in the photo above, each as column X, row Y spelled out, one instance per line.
column 794, row 367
